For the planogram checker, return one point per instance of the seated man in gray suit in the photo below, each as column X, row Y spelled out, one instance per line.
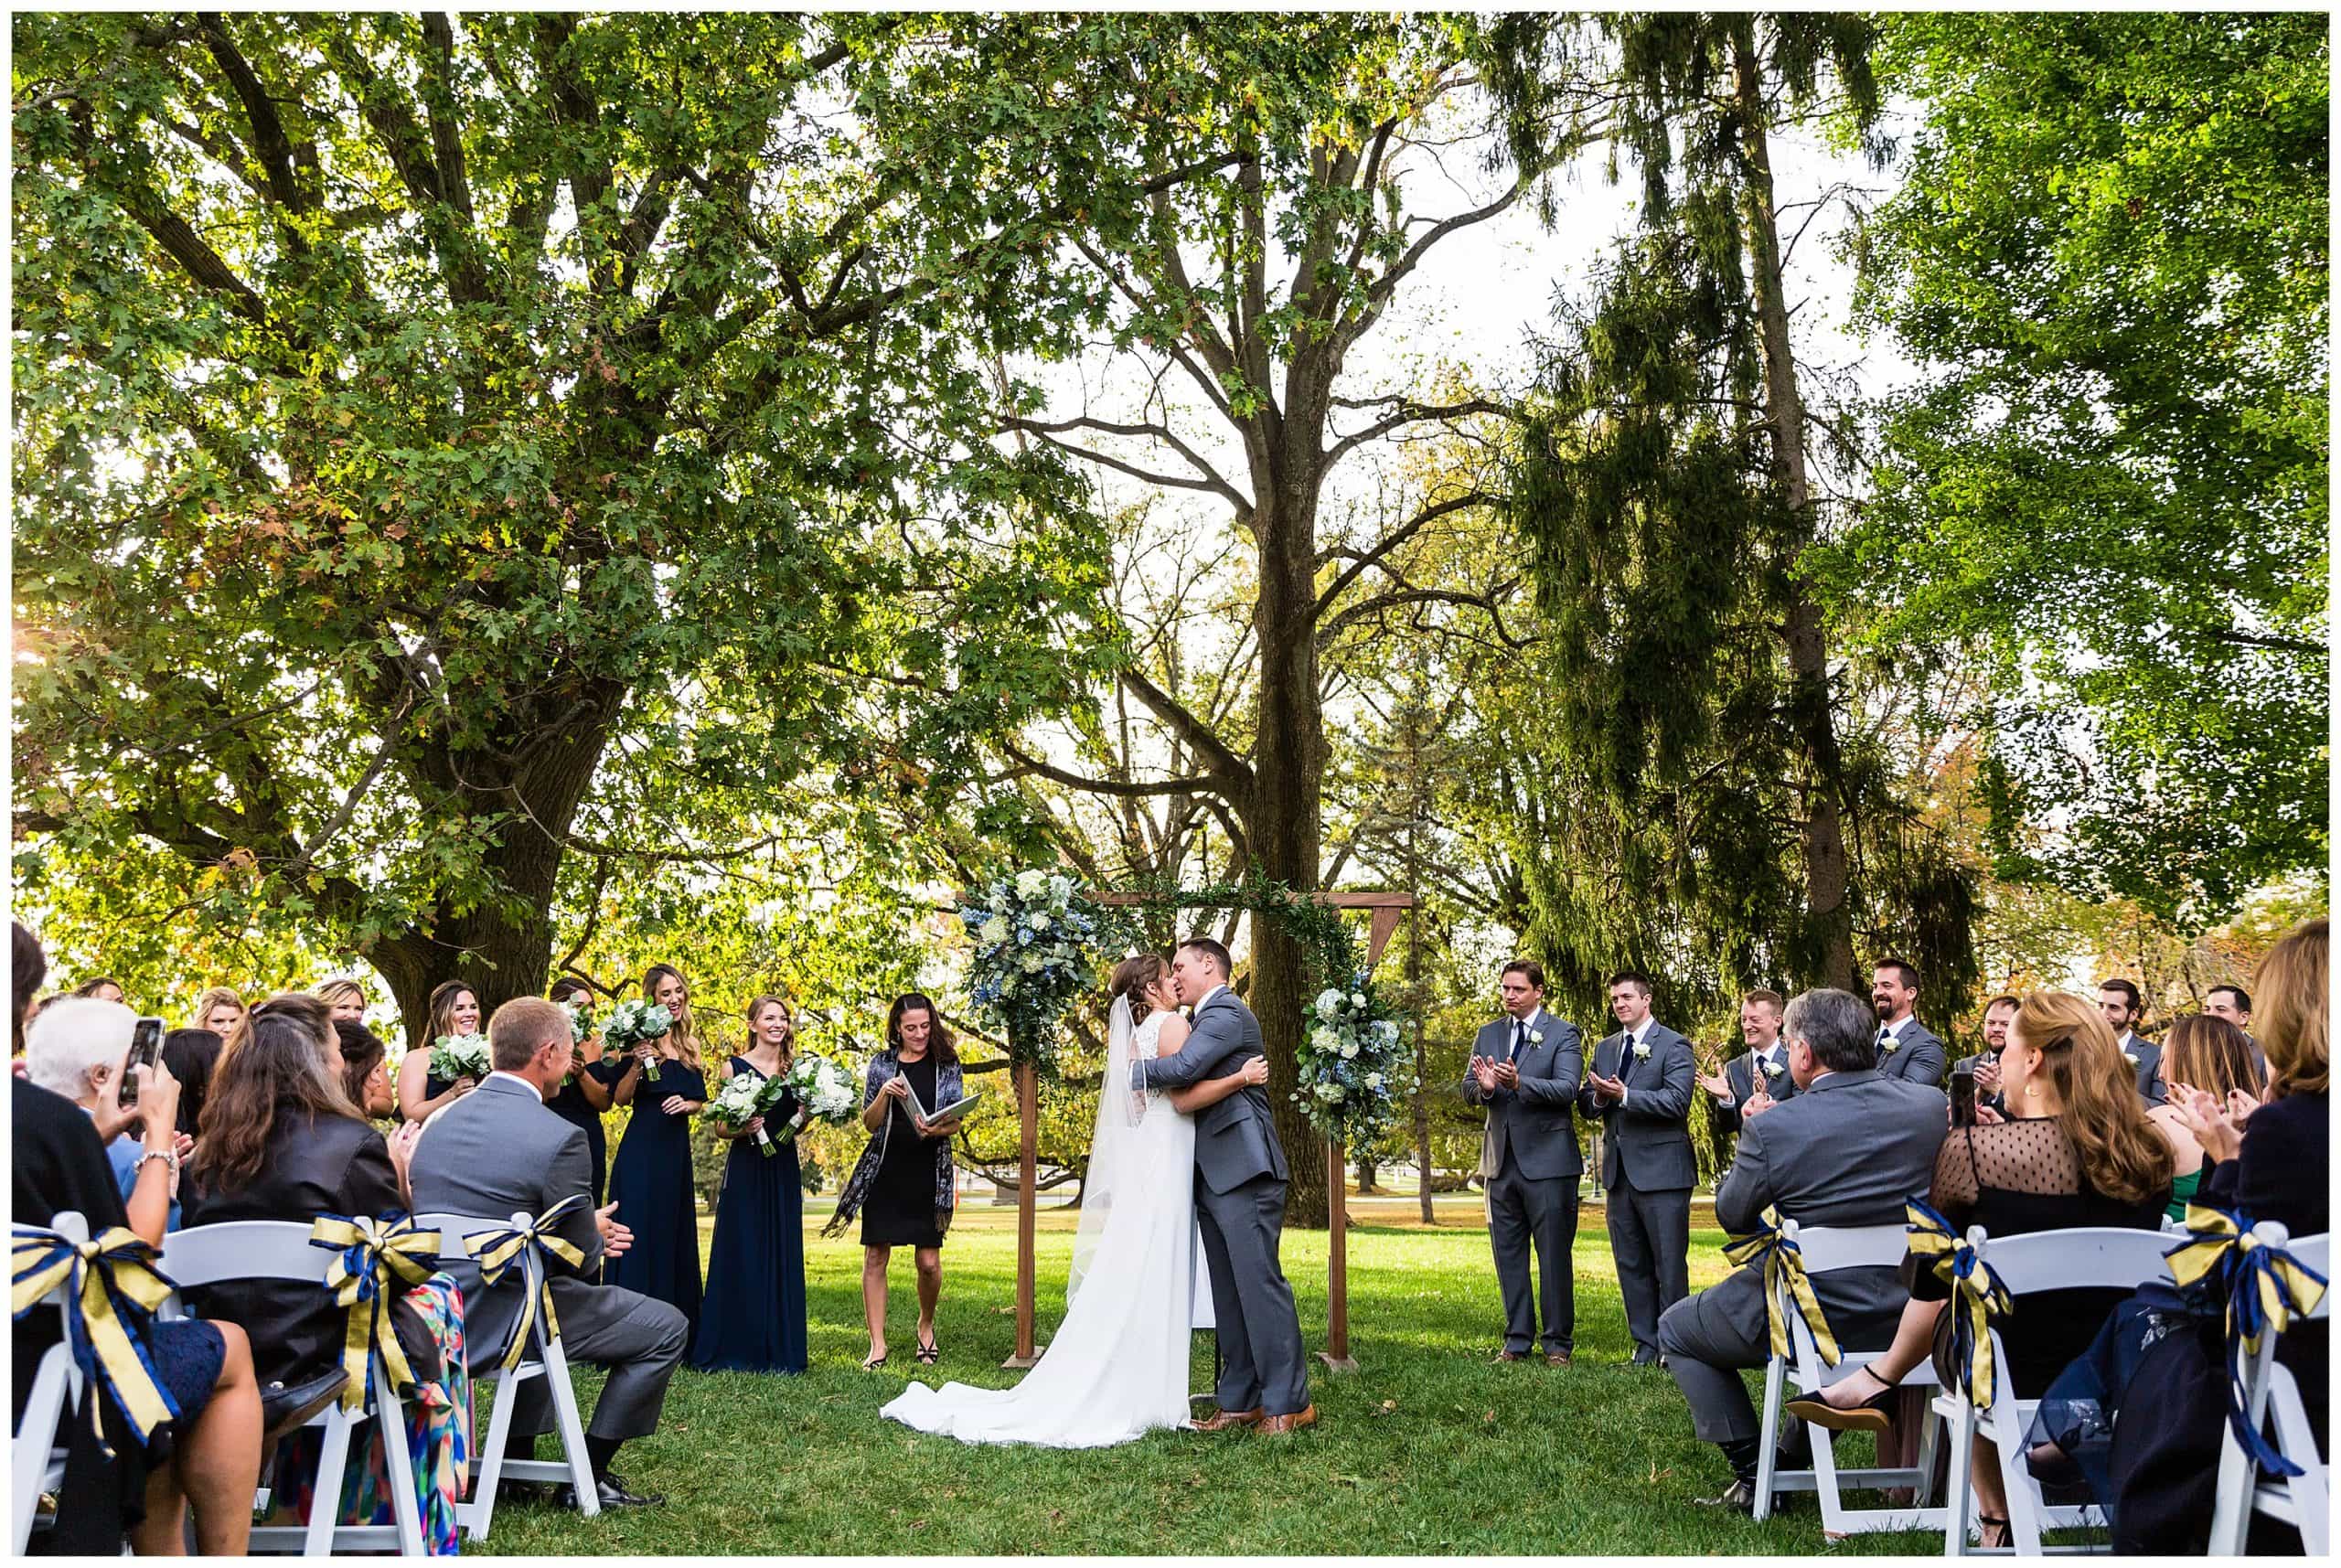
column 1847, row 1150
column 498, row 1151
column 1638, row 1086
column 1906, row 1049
column 1524, row 1070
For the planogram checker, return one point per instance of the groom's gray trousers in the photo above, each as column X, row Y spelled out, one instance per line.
column 1259, row 1333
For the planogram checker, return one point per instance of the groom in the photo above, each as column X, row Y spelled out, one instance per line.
column 1239, row 1200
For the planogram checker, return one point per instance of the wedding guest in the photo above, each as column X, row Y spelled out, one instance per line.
column 754, row 1320
column 904, row 1175
column 1755, row 1080
column 209, row 1457
column 365, row 1068
column 218, row 1009
column 1525, row 1068
column 586, row 1095
column 79, row 1049
column 650, row 1176
column 2078, row 1152
column 191, row 1054
column 103, row 990
column 346, row 998
column 2233, row 1003
column 1639, row 1089
column 499, row 1151
column 455, row 1011
column 282, row 1140
column 1998, row 1013
column 2125, row 1010
column 1849, row 1148
column 2202, row 1052
column 1906, row 1048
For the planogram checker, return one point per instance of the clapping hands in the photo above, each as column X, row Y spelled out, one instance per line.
column 2217, row 1127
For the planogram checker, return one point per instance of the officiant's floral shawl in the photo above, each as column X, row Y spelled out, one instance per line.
column 888, row 1064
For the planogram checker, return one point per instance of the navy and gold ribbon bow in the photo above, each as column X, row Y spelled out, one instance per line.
column 1978, row 1296
column 497, row 1251
column 1783, row 1262
column 112, row 1289
column 2266, row 1288
column 378, row 1260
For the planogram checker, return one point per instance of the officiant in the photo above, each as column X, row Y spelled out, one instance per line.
column 1525, row 1068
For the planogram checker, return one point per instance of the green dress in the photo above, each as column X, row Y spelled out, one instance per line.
column 2181, row 1189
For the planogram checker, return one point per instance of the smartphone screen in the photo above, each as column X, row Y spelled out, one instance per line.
column 1963, row 1094
column 145, row 1050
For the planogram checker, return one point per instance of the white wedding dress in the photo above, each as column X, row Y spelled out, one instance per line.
column 1118, row 1367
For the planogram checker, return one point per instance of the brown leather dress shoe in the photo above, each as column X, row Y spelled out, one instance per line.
column 1556, row 1358
column 1222, row 1420
column 1286, row 1425
column 1510, row 1356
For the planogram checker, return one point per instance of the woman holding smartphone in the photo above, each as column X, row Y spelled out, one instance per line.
column 650, row 1176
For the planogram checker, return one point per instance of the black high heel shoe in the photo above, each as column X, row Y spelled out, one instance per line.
column 1873, row 1414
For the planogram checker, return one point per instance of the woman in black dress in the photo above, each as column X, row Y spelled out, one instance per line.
column 2078, row 1150
column 582, row 1100
column 455, row 1010
column 903, row 1186
column 650, row 1177
column 755, row 1318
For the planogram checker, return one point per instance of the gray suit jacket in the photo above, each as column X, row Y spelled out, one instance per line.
column 1740, row 1073
column 2151, row 1087
column 1648, row 1139
column 1236, row 1140
column 1533, row 1122
column 1919, row 1057
column 1847, row 1151
column 494, row 1152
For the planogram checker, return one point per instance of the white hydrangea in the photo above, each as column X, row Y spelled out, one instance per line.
column 1032, row 962
column 1329, row 1006
column 995, row 930
column 1029, row 885
column 1348, row 1048
column 1039, row 921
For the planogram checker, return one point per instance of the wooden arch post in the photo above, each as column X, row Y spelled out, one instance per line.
column 1385, row 909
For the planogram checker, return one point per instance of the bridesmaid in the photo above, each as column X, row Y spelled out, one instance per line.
column 582, row 1100
column 754, row 1320
column 650, row 1179
column 455, row 1010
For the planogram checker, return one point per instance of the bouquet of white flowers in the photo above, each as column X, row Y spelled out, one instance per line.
column 455, row 1056
column 580, row 1022
column 745, row 1096
column 635, row 1023
column 829, row 1093
column 1353, row 1069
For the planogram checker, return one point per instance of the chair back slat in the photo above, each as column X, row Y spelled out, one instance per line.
column 244, row 1248
column 2109, row 1257
column 1827, row 1248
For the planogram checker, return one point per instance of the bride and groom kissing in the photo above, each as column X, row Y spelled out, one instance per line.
column 1184, row 1145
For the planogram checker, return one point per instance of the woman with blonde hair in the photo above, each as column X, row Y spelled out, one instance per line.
column 345, row 996
column 2075, row 1150
column 218, row 1009
column 651, row 1174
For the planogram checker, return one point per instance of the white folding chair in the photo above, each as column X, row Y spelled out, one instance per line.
column 36, row 1461
column 2089, row 1258
column 1826, row 1249
column 280, row 1250
column 544, row 1359
column 2301, row 1501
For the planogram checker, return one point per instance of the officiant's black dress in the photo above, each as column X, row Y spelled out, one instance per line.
column 900, row 1211
column 650, row 1181
column 754, row 1320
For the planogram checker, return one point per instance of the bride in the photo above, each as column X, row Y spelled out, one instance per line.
column 1118, row 1367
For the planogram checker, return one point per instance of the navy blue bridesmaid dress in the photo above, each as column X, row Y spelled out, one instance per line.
column 650, row 1181
column 754, row 1318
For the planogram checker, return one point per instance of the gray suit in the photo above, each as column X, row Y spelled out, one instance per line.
column 1917, row 1057
column 1648, row 1170
column 1240, row 1179
column 1848, row 1151
column 1530, row 1165
column 2151, row 1087
column 1740, row 1073
column 496, row 1152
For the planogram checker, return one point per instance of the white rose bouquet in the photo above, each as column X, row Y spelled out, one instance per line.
column 635, row 1023
column 741, row 1100
column 829, row 1093
column 455, row 1056
column 1354, row 1071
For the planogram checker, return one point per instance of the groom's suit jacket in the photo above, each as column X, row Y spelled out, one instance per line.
column 1236, row 1140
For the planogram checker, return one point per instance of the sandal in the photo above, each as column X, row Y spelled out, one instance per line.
column 873, row 1363
column 929, row 1352
column 1873, row 1414
column 1984, row 1525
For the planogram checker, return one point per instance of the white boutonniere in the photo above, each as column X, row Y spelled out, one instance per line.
column 1891, row 1044
column 1535, row 1036
column 1642, row 1051
column 1771, row 1069
column 2130, row 1058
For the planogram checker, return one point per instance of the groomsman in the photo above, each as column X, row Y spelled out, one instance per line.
column 1639, row 1091
column 2233, row 1003
column 2125, row 1010
column 1998, row 1013
column 1906, row 1049
column 1756, row 1078
column 1524, row 1070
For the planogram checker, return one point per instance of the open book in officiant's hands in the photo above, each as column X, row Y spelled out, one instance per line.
column 928, row 1118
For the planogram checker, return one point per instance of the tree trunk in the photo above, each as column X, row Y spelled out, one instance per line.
column 1366, row 1169
column 1810, row 715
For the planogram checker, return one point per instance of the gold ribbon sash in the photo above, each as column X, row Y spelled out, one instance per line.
column 1783, row 1262
column 497, row 1251
column 378, row 1260
column 112, row 1288
column 1978, row 1296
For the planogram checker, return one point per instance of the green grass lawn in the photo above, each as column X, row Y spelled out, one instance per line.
column 1429, row 1448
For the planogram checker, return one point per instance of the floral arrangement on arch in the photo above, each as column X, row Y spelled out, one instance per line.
column 1355, row 1072
column 1038, row 937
